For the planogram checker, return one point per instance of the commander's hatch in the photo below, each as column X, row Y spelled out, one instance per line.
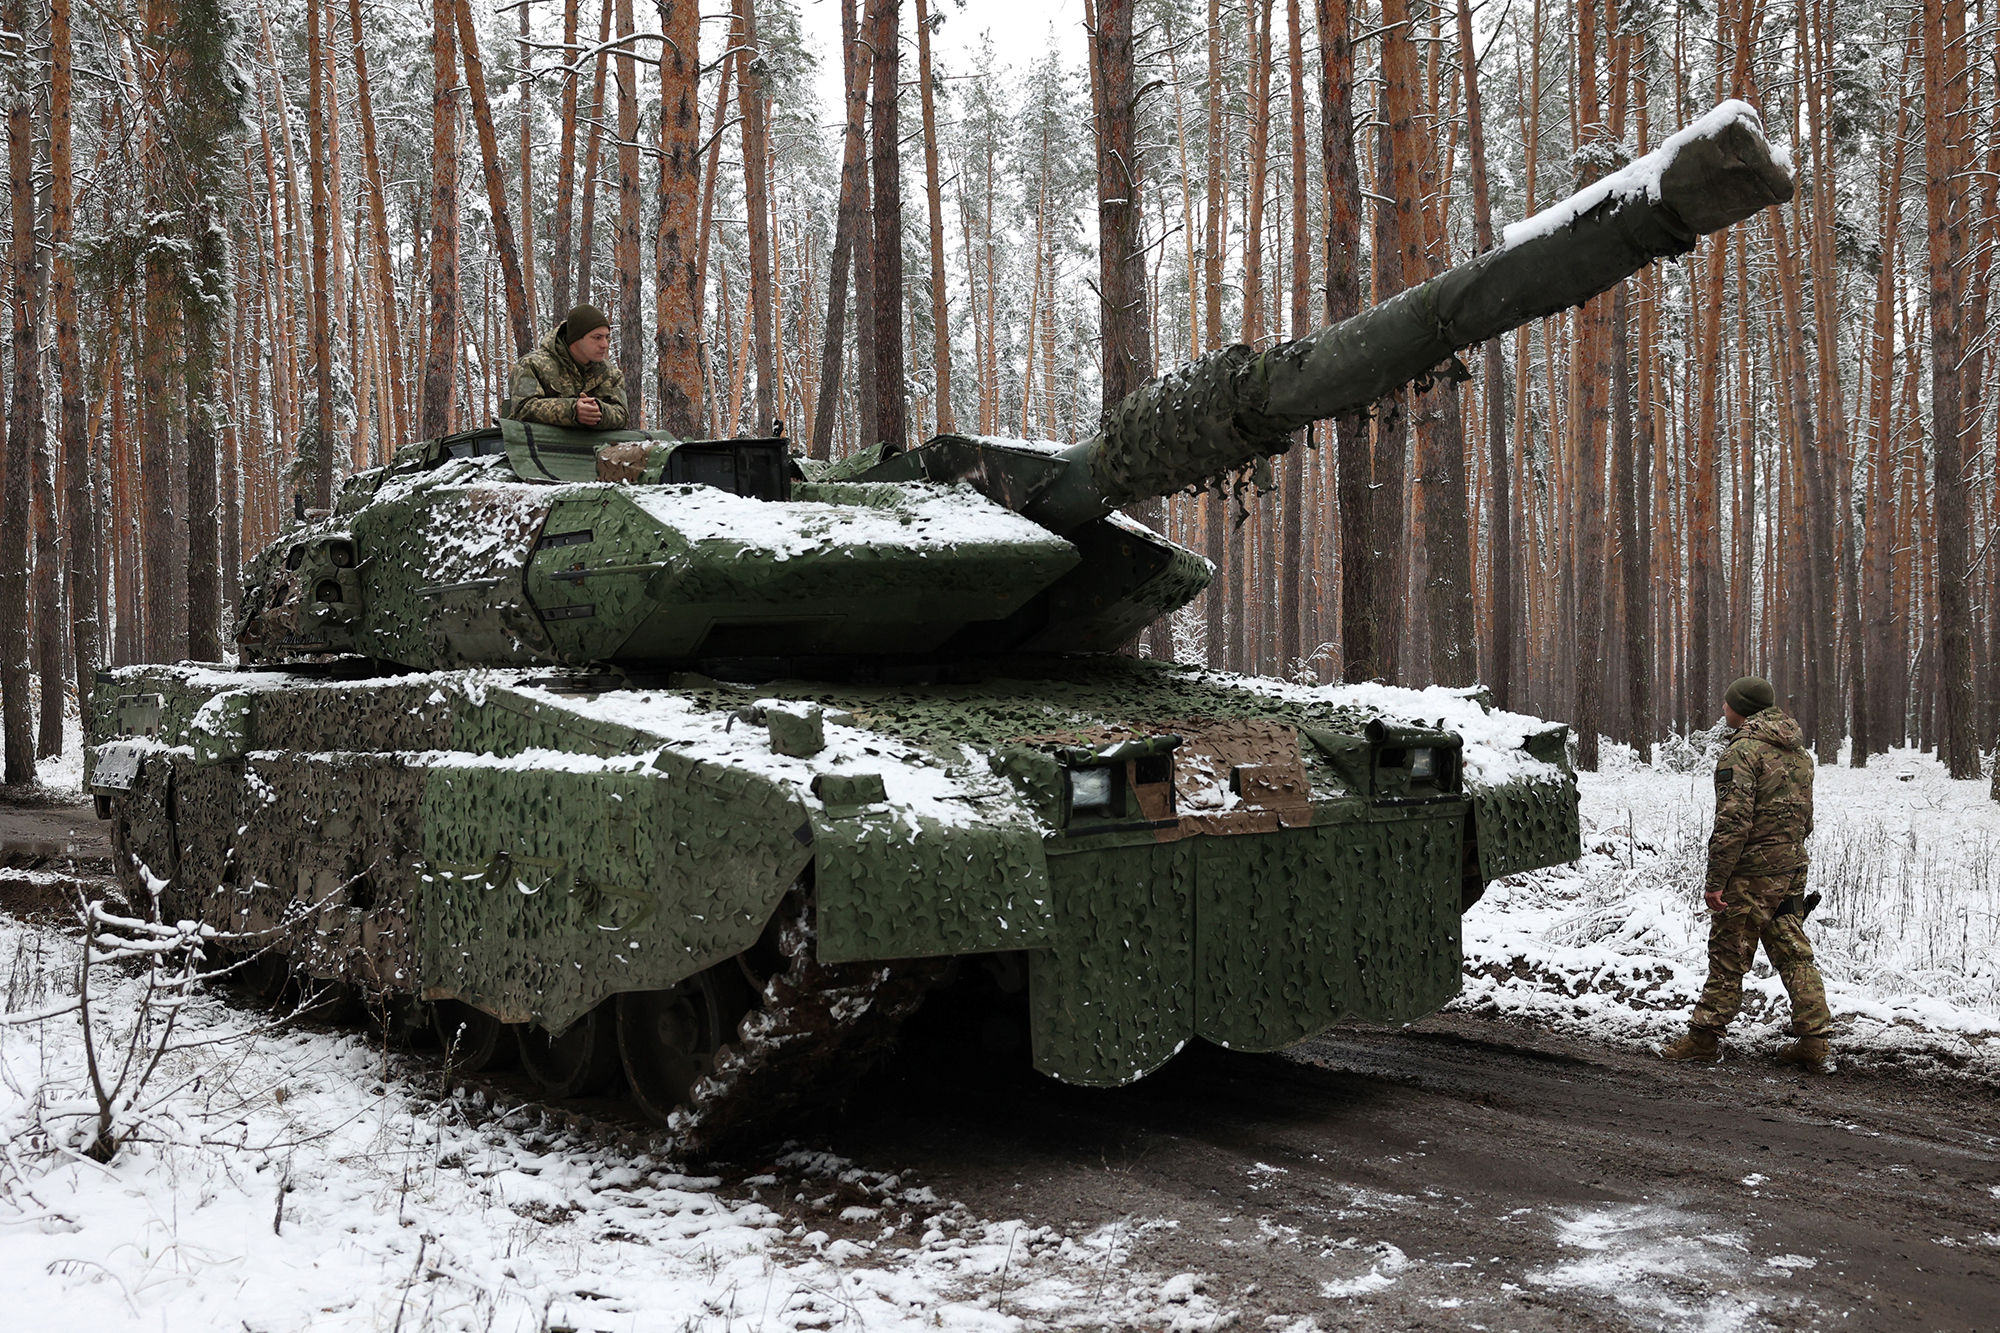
column 759, row 468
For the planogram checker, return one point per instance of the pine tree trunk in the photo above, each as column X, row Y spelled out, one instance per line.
column 320, row 472
column 562, row 264
column 1216, row 608
column 754, row 105
column 887, row 293
column 1946, row 217
column 1359, row 637
column 1873, row 727
column 1400, row 262
column 677, row 280
column 1819, row 575
column 1499, row 578
column 524, row 58
column 437, row 409
column 593, row 157
column 628, row 321
column 80, row 511
column 500, row 220
column 395, row 426
column 855, row 67
column 1293, row 497
column 31, row 404
column 940, row 311
column 16, row 478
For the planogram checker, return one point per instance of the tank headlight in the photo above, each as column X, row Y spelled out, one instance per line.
column 1423, row 764
column 1090, row 789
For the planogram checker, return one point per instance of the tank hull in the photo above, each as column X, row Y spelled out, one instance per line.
column 537, row 843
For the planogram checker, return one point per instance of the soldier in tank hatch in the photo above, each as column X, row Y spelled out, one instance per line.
column 569, row 379
column 1757, row 878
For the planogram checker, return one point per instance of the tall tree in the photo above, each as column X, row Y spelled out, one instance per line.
column 561, row 262
column 1125, row 327
column 437, row 408
column 753, row 103
column 320, row 297
column 1946, row 199
column 940, row 314
column 1499, row 672
column 80, row 506
column 30, row 400
column 520, row 316
column 1590, row 420
column 1400, row 262
column 891, row 409
column 1292, row 571
column 1359, row 627
column 524, row 75
column 676, row 279
column 1215, row 221
column 395, row 428
column 629, row 319
column 855, row 69
column 16, row 486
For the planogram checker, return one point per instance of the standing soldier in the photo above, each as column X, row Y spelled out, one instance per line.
column 1757, row 877
column 569, row 380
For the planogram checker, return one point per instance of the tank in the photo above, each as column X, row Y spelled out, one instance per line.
column 694, row 766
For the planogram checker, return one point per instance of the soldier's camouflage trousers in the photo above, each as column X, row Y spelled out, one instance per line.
column 1749, row 916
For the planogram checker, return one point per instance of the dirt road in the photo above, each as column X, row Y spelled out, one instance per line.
column 1463, row 1173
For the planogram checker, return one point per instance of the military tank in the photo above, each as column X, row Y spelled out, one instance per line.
column 696, row 765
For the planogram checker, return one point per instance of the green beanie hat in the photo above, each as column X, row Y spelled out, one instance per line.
column 1750, row 695
column 583, row 319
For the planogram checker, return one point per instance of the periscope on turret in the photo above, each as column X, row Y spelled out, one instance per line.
column 699, row 764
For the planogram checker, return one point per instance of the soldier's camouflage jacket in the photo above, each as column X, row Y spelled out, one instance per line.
column 1763, row 801
column 544, row 385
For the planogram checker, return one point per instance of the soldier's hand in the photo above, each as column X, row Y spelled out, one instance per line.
column 1714, row 899
column 587, row 411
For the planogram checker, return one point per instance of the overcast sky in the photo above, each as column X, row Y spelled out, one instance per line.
column 1021, row 33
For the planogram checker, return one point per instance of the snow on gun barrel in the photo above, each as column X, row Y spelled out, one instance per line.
column 1236, row 405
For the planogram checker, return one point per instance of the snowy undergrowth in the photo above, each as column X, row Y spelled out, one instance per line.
column 271, row 1178
column 1908, row 936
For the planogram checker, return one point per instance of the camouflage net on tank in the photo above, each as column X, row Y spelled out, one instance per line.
column 1191, row 425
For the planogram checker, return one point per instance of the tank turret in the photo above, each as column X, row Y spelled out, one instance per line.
column 527, row 544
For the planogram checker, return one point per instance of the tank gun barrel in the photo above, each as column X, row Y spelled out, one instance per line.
column 1238, row 404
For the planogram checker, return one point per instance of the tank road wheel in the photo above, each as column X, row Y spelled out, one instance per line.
column 474, row 1041
column 579, row 1061
column 669, row 1038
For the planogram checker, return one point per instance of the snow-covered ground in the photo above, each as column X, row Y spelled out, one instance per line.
column 273, row 1178
column 1908, row 936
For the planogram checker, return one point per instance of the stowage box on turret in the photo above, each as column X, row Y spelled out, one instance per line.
column 696, row 765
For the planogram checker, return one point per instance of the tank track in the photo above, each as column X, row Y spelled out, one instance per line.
column 820, row 1029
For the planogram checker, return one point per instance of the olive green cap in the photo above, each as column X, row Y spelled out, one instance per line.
column 1750, row 695
column 584, row 319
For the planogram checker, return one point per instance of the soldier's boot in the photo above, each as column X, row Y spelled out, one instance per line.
column 1808, row 1053
column 1699, row 1045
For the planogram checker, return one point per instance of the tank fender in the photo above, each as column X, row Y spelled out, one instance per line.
column 546, row 890
column 893, row 883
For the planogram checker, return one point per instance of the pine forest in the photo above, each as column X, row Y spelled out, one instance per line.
column 253, row 246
